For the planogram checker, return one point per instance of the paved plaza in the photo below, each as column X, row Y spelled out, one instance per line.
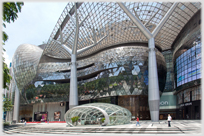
column 147, row 127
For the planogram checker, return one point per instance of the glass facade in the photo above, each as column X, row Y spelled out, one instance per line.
column 169, row 86
column 188, row 95
column 188, row 65
column 114, row 72
column 136, row 104
column 116, row 69
column 187, row 69
column 24, row 64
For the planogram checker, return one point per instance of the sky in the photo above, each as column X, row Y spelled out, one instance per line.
column 34, row 25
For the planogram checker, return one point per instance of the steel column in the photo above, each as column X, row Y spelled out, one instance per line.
column 153, row 84
column 16, row 105
column 73, row 94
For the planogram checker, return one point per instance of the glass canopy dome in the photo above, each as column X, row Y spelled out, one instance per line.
column 91, row 114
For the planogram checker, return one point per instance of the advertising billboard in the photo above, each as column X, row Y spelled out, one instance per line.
column 57, row 115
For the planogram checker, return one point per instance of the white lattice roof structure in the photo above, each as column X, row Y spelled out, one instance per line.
column 101, row 19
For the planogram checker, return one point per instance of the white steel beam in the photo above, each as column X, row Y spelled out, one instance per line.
column 83, row 20
column 71, row 18
column 164, row 19
column 61, row 35
column 91, row 46
column 138, row 23
column 151, row 18
column 74, row 46
column 91, row 40
column 94, row 35
column 136, row 13
column 67, row 48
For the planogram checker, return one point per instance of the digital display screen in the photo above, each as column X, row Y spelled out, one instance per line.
column 188, row 65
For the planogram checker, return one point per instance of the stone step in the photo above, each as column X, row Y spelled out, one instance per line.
column 107, row 130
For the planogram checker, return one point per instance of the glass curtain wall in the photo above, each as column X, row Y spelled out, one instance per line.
column 114, row 72
column 188, row 65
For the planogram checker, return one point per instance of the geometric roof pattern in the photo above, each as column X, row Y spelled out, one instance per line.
column 108, row 19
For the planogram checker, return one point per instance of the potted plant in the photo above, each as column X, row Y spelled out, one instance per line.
column 74, row 119
column 102, row 120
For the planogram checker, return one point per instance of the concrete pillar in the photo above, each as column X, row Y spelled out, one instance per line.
column 73, row 94
column 16, row 105
column 153, row 84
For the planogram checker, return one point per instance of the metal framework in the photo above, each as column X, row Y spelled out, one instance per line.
column 109, row 19
column 157, row 23
column 113, row 114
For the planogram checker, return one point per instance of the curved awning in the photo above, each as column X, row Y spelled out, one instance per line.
column 91, row 112
column 89, row 109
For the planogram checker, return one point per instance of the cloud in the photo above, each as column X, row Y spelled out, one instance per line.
column 7, row 59
column 34, row 24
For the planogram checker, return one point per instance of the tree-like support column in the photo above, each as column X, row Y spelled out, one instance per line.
column 73, row 94
column 153, row 85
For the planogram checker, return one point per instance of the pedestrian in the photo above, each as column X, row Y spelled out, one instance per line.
column 169, row 120
column 25, row 122
column 48, row 121
column 137, row 121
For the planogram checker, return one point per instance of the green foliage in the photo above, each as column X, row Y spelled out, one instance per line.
column 6, row 77
column 7, row 105
column 74, row 119
column 5, row 38
column 102, row 120
column 10, row 10
column 47, row 92
column 112, row 118
column 6, row 123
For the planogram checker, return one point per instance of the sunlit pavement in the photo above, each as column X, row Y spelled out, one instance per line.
column 147, row 127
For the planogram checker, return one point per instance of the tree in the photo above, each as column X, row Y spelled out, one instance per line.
column 7, row 105
column 10, row 10
column 6, row 76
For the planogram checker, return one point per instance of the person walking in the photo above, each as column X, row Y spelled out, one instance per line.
column 25, row 122
column 47, row 121
column 137, row 121
column 169, row 120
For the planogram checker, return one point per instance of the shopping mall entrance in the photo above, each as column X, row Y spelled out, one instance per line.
column 189, row 110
